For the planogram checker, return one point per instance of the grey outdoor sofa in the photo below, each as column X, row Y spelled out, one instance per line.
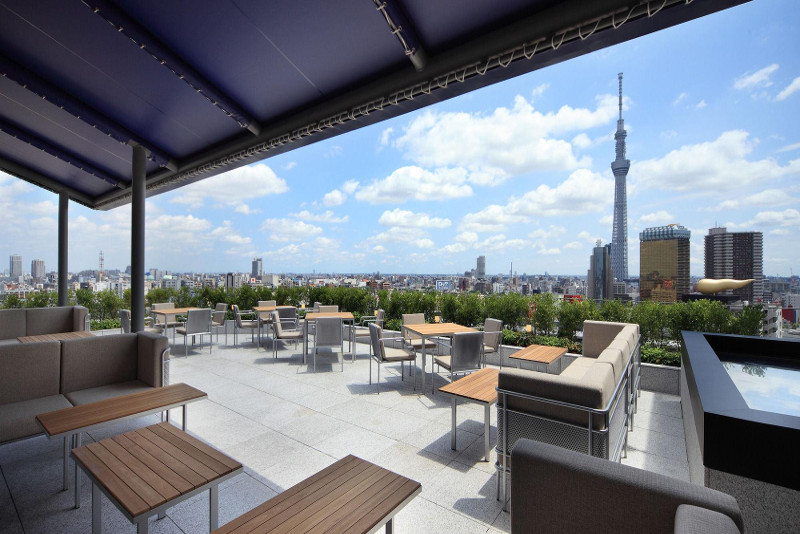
column 21, row 322
column 557, row 490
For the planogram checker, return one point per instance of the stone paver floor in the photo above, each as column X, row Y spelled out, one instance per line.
column 285, row 423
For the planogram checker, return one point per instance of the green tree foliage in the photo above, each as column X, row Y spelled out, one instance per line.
column 614, row 311
column 652, row 320
column 749, row 321
column 511, row 308
column 571, row 316
column 13, row 301
column 544, row 316
column 470, row 310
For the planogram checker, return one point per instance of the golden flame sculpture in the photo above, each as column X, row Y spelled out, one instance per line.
column 710, row 286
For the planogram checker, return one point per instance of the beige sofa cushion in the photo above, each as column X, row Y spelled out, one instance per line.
column 85, row 396
column 98, row 361
column 29, row 371
column 12, row 324
column 578, row 368
column 18, row 419
column 615, row 358
column 597, row 335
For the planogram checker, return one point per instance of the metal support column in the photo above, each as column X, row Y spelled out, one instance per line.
column 137, row 238
column 63, row 248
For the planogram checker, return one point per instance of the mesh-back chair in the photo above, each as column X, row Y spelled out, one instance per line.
column 332, row 308
column 265, row 317
column 198, row 323
column 492, row 334
column 362, row 333
column 166, row 321
column 329, row 334
column 243, row 324
column 125, row 323
column 284, row 329
column 414, row 340
column 383, row 354
column 218, row 319
column 465, row 354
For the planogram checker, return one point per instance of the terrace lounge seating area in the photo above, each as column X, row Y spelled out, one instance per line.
column 22, row 322
column 258, row 405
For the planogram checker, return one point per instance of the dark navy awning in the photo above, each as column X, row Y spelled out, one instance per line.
column 210, row 85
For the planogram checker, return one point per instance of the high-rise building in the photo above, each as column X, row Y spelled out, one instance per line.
column 737, row 255
column 481, row 270
column 600, row 279
column 258, row 268
column 664, row 263
column 620, row 167
column 15, row 264
column 37, row 269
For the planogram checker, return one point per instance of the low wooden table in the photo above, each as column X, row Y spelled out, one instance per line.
column 351, row 495
column 263, row 309
column 427, row 330
column 344, row 316
column 479, row 387
column 70, row 422
column 60, row 336
column 144, row 472
column 539, row 354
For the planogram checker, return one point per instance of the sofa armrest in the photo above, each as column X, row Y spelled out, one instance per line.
column 559, row 490
column 150, row 364
column 80, row 319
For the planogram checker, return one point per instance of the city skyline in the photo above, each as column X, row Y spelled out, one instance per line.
column 516, row 172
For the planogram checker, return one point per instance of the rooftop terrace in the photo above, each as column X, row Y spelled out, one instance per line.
column 284, row 423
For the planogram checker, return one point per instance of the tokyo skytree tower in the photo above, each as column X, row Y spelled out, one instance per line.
column 620, row 167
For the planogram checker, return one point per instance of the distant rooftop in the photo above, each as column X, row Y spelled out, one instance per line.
column 660, row 233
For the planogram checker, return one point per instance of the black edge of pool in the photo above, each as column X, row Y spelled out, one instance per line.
column 733, row 437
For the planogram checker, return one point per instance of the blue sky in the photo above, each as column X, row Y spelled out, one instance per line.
column 518, row 172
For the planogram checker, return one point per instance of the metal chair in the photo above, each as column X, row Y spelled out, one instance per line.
column 219, row 318
column 125, row 324
column 280, row 331
column 198, row 323
column 243, row 324
column 170, row 321
column 492, row 335
column 414, row 340
column 465, row 355
column 361, row 332
column 329, row 334
column 383, row 354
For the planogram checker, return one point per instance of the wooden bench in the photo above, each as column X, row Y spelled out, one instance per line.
column 351, row 495
column 144, row 472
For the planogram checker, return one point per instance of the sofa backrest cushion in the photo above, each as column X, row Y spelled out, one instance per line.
column 149, row 367
column 29, row 371
column 597, row 335
column 98, row 361
column 12, row 323
column 616, row 358
column 40, row 321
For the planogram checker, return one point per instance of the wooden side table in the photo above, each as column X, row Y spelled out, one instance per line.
column 479, row 387
column 144, row 472
column 539, row 354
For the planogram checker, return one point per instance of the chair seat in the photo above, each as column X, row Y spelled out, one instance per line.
column 417, row 344
column 182, row 331
column 487, row 349
column 291, row 334
column 249, row 324
column 443, row 361
column 398, row 355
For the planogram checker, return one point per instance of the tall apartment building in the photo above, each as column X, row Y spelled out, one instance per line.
column 600, row 279
column 15, row 265
column 481, row 270
column 664, row 263
column 37, row 269
column 258, row 268
column 737, row 255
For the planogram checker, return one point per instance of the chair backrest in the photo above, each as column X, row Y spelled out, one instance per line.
column 379, row 316
column 329, row 309
column 413, row 318
column 219, row 316
column 375, row 334
column 329, row 331
column 287, row 313
column 236, row 315
column 267, row 303
column 198, row 321
column 125, row 321
column 164, row 306
column 492, row 332
column 465, row 354
column 221, row 306
column 316, row 307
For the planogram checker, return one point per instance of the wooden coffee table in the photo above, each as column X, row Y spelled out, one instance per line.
column 70, row 422
column 144, row 472
column 479, row 387
column 539, row 354
column 60, row 336
column 351, row 495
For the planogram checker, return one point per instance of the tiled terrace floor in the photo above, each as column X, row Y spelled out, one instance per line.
column 285, row 422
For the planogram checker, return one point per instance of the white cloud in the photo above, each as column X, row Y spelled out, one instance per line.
column 500, row 243
column 606, row 219
column 334, row 198
column 679, row 99
column 539, row 90
column 400, row 234
column 327, row 217
column 289, row 166
column 492, row 218
column 543, row 251
column 467, row 237
column 349, row 187
column 416, row 183
column 385, row 134
column 582, row 141
column 701, row 104
column 789, row 90
column 582, row 192
column 787, row 217
column 409, row 219
column 757, row 79
column 711, row 166
column 548, row 233
column 233, row 189
column 289, row 229
column 574, row 245
column 768, row 197
column 334, row 151
column 658, row 217
column 789, row 148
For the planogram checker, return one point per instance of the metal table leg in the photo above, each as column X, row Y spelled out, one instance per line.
column 67, row 440
column 453, row 426
column 486, row 427
column 97, row 526
column 77, row 443
column 213, row 508
column 184, row 417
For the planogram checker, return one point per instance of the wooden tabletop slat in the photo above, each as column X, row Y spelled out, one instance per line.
column 175, row 311
column 188, row 448
column 149, row 476
column 220, row 457
column 437, row 329
column 539, row 353
column 351, row 495
column 58, row 336
column 131, row 479
column 198, row 467
column 133, row 503
column 478, row 386
column 103, row 411
column 164, row 457
column 241, row 523
column 319, row 315
column 169, row 475
column 262, row 309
